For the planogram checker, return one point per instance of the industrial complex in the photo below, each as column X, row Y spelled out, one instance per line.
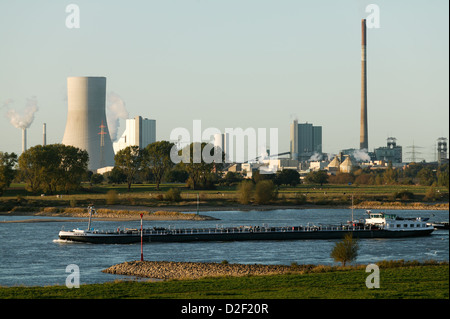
column 87, row 129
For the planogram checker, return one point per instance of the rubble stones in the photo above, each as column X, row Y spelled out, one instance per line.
column 194, row 270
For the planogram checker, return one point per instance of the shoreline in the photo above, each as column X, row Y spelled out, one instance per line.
column 188, row 212
column 185, row 270
column 180, row 270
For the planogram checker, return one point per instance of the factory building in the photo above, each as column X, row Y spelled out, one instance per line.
column 86, row 126
column 306, row 140
column 139, row 132
column 222, row 141
column 442, row 150
column 390, row 153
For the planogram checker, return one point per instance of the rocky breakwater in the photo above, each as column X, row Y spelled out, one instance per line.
column 194, row 270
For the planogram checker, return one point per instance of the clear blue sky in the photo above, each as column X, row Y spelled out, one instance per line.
column 234, row 63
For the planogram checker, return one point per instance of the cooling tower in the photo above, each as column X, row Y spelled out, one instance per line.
column 86, row 126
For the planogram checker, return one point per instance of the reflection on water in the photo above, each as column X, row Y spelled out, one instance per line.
column 31, row 254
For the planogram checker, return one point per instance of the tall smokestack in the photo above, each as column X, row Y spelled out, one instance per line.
column 363, row 139
column 24, row 139
column 44, row 134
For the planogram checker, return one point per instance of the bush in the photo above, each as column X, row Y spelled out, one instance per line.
column 300, row 199
column 345, row 250
column 111, row 197
column 431, row 194
column 173, row 195
column 245, row 192
column 404, row 195
column 265, row 192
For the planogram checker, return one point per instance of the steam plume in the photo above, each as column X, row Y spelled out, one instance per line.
column 115, row 110
column 315, row 157
column 22, row 120
column 361, row 155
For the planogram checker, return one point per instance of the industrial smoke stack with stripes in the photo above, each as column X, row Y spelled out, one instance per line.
column 364, row 139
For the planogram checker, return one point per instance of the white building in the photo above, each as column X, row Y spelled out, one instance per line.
column 138, row 131
column 223, row 142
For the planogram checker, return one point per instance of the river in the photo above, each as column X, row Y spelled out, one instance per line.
column 32, row 255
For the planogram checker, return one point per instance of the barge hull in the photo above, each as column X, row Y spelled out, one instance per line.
column 241, row 236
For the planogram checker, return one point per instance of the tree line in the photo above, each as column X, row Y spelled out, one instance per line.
column 61, row 168
column 425, row 174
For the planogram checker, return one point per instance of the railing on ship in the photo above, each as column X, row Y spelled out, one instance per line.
column 257, row 229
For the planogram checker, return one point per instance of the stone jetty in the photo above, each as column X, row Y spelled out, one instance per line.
column 195, row 270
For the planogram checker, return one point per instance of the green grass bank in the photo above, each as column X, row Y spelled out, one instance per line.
column 397, row 281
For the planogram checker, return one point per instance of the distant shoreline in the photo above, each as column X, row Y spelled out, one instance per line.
column 188, row 212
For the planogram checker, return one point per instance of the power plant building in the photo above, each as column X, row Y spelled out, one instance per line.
column 390, row 153
column 222, row 141
column 442, row 150
column 138, row 132
column 86, row 126
column 306, row 140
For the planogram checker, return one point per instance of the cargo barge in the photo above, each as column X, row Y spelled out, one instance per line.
column 377, row 225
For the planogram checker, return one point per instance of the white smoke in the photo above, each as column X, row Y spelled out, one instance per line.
column 24, row 119
column 361, row 155
column 315, row 157
column 115, row 110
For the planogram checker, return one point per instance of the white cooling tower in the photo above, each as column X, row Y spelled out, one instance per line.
column 86, row 126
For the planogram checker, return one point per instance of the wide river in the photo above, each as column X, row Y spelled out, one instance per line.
column 32, row 255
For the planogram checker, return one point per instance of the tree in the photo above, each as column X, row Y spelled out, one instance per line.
column 345, row 250
column 232, row 177
column 54, row 167
column 176, row 175
column 116, row 176
column 426, row 176
column 390, row 175
column 129, row 160
column 7, row 172
column 197, row 160
column 97, row 178
column 287, row 177
column 73, row 166
column 245, row 192
column 319, row 177
column 265, row 192
column 157, row 158
column 443, row 176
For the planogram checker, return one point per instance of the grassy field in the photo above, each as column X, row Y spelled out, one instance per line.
column 146, row 195
column 410, row 282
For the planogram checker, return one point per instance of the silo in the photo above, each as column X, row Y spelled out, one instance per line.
column 86, row 125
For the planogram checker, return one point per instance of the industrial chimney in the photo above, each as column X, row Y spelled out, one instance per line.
column 24, row 139
column 86, row 113
column 363, row 139
column 44, row 134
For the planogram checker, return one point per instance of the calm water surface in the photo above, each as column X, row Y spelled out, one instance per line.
column 31, row 255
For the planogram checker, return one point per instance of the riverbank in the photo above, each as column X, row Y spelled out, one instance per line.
column 125, row 211
column 195, row 270
column 189, row 211
column 131, row 213
column 399, row 280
